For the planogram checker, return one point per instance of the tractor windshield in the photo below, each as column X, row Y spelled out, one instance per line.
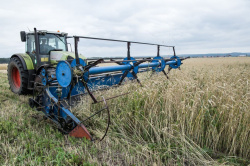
column 49, row 42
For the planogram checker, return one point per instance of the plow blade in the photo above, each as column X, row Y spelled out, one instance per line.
column 80, row 131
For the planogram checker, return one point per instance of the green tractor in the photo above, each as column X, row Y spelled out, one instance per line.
column 43, row 48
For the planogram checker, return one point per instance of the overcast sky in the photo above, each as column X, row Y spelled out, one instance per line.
column 193, row 26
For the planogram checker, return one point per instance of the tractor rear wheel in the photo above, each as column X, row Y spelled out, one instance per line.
column 18, row 77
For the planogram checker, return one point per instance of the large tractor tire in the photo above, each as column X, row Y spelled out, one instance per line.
column 18, row 77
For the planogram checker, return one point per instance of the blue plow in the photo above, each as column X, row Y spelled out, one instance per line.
column 61, row 89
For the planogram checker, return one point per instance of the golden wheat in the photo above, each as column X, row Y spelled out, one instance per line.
column 3, row 66
column 201, row 110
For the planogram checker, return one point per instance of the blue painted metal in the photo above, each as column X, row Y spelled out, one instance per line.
column 162, row 66
column 132, row 64
column 43, row 72
column 107, row 69
column 44, row 81
column 148, row 65
column 96, row 78
column 177, row 63
column 82, row 62
column 77, row 89
column 63, row 111
column 104, row 81
column 158, row 64
column 64, row 73
column 171, row 63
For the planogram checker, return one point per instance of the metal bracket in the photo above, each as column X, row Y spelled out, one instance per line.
column 76, row 39
column 158, row 50
column 89, row 92
column 128, row 53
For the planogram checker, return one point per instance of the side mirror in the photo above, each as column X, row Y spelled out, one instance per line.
column 23, row 36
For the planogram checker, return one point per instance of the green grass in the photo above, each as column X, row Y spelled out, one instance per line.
column 200, row 116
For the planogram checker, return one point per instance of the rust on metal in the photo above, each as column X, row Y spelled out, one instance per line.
column 80, row 131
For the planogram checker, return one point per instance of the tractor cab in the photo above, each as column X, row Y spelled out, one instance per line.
column 40, row 44
column 42, row 48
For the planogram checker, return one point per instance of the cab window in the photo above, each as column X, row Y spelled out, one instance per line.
column 49, row 42
column 30, row 44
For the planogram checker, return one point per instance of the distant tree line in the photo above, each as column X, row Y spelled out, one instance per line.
column 4, row 60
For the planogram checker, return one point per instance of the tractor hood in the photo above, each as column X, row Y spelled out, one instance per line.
column 56, row 56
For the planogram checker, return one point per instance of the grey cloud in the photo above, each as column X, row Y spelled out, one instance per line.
column 193, row 26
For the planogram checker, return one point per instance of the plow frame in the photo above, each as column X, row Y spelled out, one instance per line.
column 62, row 90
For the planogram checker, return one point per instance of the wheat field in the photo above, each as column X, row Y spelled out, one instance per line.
column 200, row 116
column 3, row 66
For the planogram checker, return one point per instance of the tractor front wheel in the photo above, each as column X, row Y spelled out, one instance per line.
column 18, row 77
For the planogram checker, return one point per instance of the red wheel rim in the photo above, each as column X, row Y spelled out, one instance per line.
column 16, row 77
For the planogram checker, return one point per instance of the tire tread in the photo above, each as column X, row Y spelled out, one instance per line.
column 24, row 76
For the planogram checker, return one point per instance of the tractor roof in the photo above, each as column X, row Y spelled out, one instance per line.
column 45, row 31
